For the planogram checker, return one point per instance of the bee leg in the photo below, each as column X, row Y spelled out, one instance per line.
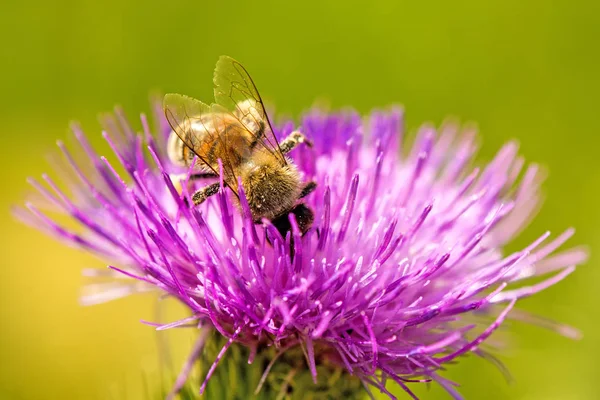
column 202, row 175
column 179, row 179
column 201, row 195
column 308, row 189
column 293, row 140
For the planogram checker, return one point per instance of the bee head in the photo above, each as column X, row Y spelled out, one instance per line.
column 304, row 218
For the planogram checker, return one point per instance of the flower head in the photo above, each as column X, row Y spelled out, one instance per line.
column 403, row 271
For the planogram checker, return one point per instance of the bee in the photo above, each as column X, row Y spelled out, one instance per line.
column 236, row 130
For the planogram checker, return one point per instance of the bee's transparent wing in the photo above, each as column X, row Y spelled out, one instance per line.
column 185, row 114
column 235, row 91
column 232, row 137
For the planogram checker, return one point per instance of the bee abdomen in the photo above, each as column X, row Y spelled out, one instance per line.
column 175, row 150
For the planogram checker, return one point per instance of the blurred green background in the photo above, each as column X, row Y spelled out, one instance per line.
column 525, row 70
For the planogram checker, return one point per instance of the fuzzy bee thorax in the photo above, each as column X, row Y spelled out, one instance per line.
column 271, row 189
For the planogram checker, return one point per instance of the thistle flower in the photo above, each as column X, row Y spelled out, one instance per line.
column 403, row 272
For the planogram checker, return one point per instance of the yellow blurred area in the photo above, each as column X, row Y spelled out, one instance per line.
column 525, row 70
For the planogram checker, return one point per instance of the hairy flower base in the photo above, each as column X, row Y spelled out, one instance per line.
column 271, row 375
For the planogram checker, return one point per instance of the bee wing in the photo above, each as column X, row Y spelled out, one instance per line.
column 185, row 114
column 233, row 137
column 235, row 91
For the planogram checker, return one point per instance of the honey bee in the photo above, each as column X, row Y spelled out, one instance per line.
column 236, row 130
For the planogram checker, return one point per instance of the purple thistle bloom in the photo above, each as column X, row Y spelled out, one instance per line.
column 402, row 273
